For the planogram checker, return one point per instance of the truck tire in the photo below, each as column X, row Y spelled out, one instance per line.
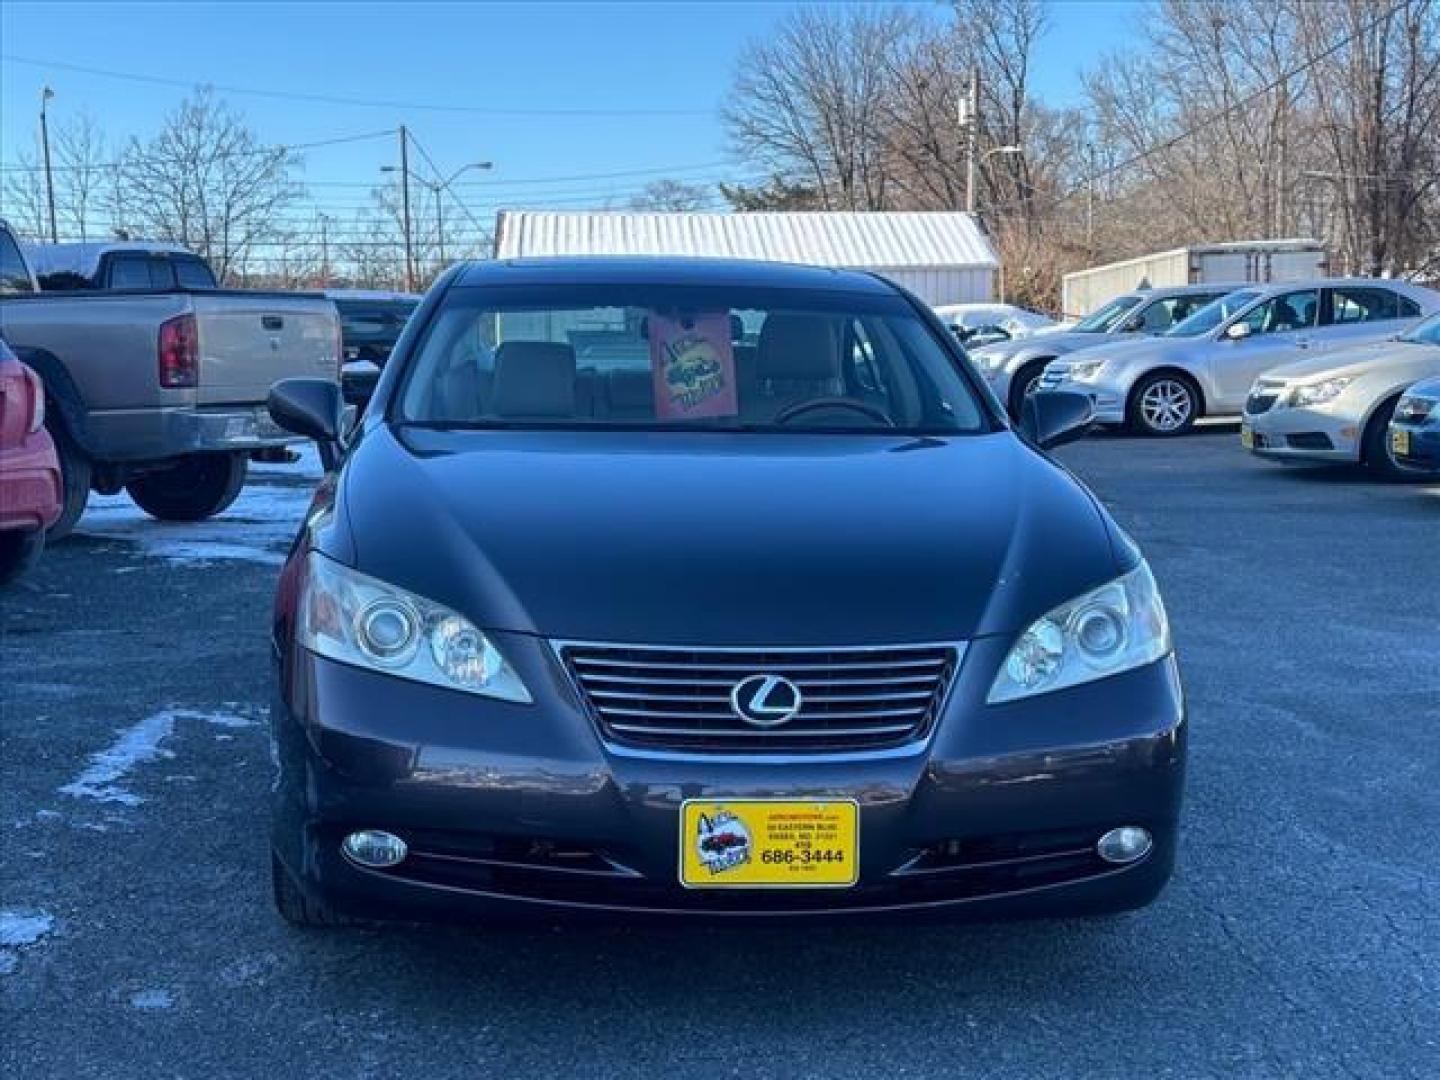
column 19, row 551
column 75, row 472
column 193, row 490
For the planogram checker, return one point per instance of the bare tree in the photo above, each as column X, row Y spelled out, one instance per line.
column 807, row 102
column 207, row 182
column 82, row 176
column 671, row 195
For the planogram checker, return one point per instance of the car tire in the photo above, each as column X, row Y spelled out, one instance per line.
column 1023, row 383
column 19, row 551
column 294, row 906
column 1375, row 447
column 75, row 473
column 197, row 488
column 1163, row 404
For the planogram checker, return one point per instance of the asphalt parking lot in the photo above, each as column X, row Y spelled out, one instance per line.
column 1301, row 935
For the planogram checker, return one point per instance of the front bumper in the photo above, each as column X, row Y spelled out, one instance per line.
column 154, row 434
column 523, row 809
column 30, row 486
column 1424, row 445
column 1302, row 434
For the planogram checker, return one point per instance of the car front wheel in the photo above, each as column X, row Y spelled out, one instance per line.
column 1164, row 404
column 1025, row 383
column 193, row 490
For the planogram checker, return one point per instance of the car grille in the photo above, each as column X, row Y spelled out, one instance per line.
column 1256, row 404
column 668, row 698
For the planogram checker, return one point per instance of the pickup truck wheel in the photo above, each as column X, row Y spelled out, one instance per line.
column 75, row 472
column 19, row 551
column 197, row 488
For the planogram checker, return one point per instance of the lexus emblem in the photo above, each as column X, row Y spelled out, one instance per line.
column 765, row 700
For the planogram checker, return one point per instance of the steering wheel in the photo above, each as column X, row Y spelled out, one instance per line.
column 800, row 408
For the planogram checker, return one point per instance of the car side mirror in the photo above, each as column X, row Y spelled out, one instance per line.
column 313, row 408
column 1237, row 331
column 1051, row 418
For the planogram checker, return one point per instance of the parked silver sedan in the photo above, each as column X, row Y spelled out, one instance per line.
column 1206, row 365
column 1337, row 407
column 1013, row 368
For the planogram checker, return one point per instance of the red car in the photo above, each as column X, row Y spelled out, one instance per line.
column 29, row 473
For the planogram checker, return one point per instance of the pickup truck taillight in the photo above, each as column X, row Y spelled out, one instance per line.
column 179, row 354
column 37, row 401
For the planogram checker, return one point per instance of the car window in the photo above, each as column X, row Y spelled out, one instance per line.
column 140, row 272
column 691, row 357
column 192, row 273
column 1161, row 315
column 13, row 278
column 1213, row 314
column 1102, row 319
column 1286, row 312
column 1356, row 305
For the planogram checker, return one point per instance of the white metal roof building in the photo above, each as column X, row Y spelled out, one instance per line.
column 941, row 256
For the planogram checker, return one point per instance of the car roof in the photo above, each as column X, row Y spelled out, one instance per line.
column 1187, row 290
column 668, row 270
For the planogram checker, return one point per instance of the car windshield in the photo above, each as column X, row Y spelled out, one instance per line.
column 1212, row 314
column 1097, row 322
column 693, row 358
column 1426, row 332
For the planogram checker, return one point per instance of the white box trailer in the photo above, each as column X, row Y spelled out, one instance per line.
column 1246, row 260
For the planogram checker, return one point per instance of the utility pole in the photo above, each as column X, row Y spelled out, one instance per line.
column 405, row 211
column 1090, row 202
column 440, row 222
column 324, row 250
column 45, row 95
column 970, row 125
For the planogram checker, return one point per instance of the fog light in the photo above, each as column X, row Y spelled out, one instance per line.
column 1124, row 845
column 374, row 849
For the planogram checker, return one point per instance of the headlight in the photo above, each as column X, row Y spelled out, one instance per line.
column 1319, row 393
column 1414, row 409
column 1114, row 628
column 1085, row 369
column 348, row 616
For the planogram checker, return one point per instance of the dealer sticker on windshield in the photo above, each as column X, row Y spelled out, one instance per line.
column 769, row 843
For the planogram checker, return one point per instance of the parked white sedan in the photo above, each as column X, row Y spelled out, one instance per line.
column 1337, row 407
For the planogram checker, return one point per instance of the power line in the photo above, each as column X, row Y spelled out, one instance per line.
column 671, row 170
column 261, row 151
column 334, row 99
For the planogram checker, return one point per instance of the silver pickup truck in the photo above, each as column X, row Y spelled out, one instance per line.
column 160, row 390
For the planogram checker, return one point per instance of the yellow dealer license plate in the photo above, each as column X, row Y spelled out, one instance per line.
column 1400, row 442
column 1247, row 437
column 769, row 843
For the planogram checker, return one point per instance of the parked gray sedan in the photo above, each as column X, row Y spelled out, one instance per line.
column 1206, row 365
column 1012, row 368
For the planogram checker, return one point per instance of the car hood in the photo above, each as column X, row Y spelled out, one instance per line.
column 717, row 539
column 1361, row 359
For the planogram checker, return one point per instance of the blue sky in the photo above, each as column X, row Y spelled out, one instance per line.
column 638, row 57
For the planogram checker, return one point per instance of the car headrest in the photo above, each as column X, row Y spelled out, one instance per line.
column 534, row 379
column 798, row 347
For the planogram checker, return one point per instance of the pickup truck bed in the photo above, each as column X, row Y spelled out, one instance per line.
column 160, row 391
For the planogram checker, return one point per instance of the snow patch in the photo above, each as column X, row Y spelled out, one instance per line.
column 259, row 527
column 18, row 930
column 152, row 999
column 137, row 745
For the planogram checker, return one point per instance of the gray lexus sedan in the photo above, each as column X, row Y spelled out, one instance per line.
column 709, row 589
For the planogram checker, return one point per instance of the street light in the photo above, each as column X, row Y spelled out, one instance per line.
column 438, row 188
column 45, row 95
